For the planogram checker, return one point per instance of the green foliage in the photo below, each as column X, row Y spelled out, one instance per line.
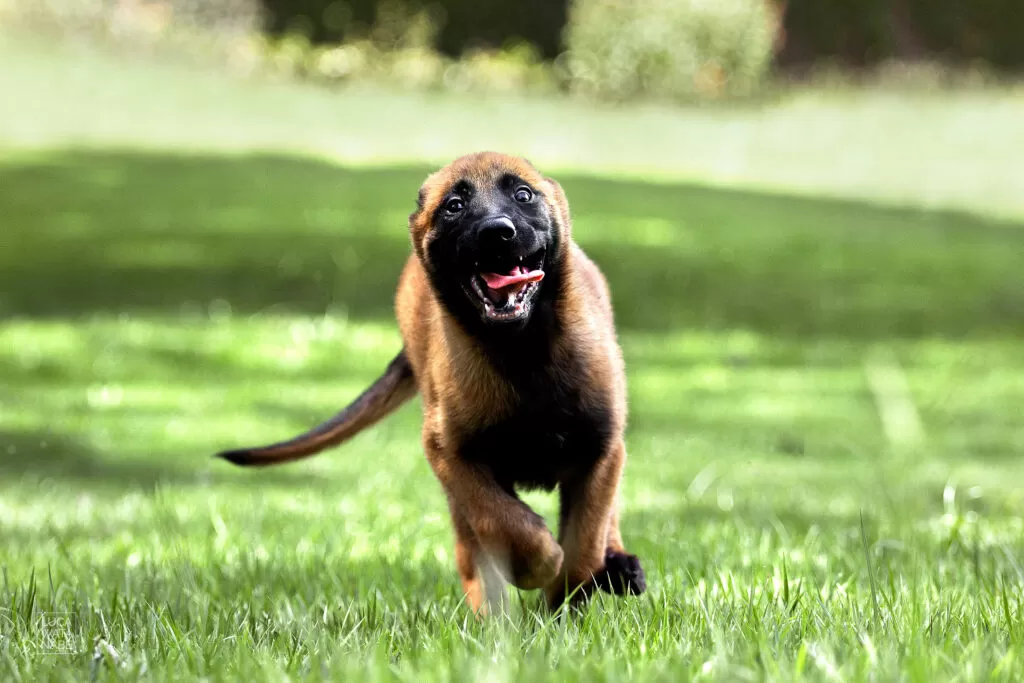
column 668, row 49
column 399, row 49
column 463, row 25
column 986, row 31
column 517, row 70
column 614, row 49
column 953, row 32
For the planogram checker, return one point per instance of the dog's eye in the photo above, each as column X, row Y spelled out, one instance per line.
column 523, row 195
column 454, row 205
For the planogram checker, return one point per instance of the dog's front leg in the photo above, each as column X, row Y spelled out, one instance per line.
column 589, row 535
column 507, row 533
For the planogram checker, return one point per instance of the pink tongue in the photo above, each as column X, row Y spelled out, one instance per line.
column 518, row 274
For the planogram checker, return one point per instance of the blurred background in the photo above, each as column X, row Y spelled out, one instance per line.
column 810, row 212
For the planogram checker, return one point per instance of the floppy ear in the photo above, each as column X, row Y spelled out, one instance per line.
column 419, row 222
column 559, row 206
column 421, row 197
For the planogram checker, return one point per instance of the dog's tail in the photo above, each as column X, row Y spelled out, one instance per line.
column 396, row 386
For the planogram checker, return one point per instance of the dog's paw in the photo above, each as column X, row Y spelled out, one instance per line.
column 622, row 574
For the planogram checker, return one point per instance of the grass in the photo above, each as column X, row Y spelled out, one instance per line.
column 945, row 149
column 801, row 515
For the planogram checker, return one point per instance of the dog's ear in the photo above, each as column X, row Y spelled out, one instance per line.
column 421, row 197
column 559, row 206
column 419, row 220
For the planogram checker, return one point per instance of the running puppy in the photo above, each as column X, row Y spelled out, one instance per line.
column 509, row 338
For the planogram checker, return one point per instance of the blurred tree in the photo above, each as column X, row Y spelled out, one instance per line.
column 855, row 34
column 464, row 24
column 871, row 31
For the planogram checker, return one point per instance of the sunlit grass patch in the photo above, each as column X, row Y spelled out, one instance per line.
column 758, row 558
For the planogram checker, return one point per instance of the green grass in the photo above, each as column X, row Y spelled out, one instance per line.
column 159, row 307
column 946, row 149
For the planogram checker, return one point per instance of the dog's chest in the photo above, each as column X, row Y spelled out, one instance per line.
column 554, row 435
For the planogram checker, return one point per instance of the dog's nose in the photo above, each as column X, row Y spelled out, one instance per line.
column 497, row 228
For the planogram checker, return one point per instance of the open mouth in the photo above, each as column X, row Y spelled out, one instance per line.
column 504, row 292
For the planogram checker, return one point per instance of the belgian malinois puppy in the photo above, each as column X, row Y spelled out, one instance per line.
column 509, row 338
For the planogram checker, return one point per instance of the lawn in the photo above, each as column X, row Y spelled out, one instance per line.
column 825, row 440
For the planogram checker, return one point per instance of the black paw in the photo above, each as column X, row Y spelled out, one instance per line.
column 622, row 574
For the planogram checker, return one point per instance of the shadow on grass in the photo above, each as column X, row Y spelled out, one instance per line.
column 39, row 456
column 106, row 232
column 87, row 233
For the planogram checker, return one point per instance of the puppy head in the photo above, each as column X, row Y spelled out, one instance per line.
column 491, row 232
